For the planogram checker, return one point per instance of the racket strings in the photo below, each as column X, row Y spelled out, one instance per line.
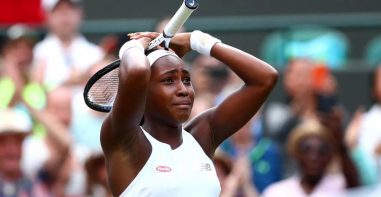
column 104, row 90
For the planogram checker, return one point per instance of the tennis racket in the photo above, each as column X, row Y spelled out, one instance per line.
column 101, row 89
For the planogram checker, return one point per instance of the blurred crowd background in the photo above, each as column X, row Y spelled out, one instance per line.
column 318, row 134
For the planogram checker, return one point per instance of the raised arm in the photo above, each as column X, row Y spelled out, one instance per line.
column 259, row 78
column 217, row 124
column 228, row 117
column 122, row 124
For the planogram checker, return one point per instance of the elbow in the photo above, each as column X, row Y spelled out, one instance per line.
column 273, row 77
column 269, row 78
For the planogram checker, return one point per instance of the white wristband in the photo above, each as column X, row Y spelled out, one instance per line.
column 128, row 45
column 202, row 42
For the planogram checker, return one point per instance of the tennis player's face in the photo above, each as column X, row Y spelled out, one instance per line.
column 171, row 93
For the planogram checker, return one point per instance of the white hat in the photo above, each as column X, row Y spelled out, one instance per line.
column 49, row 5
column 14, row 121
column 18, row 30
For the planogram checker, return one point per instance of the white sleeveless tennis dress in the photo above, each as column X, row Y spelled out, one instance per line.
column 184, row 172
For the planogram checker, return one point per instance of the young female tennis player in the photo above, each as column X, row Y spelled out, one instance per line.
column 149, row 152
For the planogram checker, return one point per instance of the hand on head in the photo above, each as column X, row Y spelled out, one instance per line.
column 180, row 43
column 143, row 37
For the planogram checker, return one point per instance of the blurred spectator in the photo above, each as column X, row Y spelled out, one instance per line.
column 364, row 136
column 86, row 123
column 234, row 175
column 15, row 66
column 281, row 117
column 262, row 154
column 14, row 127
column 53, row 158
column 109, row 45
column 297, row 81
column 311, row 89
column 313, row 147
column 209, row 76
column 64, row 55
column 342, row 162
column 201, row 103
column 96, row 176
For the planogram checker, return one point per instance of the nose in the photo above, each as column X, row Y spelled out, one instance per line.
column 182, row 89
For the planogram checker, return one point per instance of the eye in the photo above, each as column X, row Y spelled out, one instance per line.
column 168, row 81
column 187, row 80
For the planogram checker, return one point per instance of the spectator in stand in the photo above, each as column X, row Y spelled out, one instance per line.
column 313, row 146
column 262, row 154
column 15, row 65
column 281, row 117
column 54, row 158
column 86, row 123
column 234, row 175
column 311, row 89
column 64, row 55
column 15, row 125
column 363, row 136
column 210, row 76
column 97, row 185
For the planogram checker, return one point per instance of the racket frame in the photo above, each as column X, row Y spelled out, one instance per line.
column 99, row 74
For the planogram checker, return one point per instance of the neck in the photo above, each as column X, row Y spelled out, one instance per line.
column 169, row 134
column 66, row 40
column 309, row 183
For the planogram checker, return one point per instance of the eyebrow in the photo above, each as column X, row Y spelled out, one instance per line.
column 173, row 71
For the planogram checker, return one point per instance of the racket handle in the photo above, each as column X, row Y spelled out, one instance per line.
column 178, row 20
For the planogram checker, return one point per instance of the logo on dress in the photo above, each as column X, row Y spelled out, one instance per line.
column 205, row 167
column 162, row 169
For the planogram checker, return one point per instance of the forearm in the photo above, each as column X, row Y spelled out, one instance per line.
column 230, row 186
column 52, row 168
column 349, row 169
column 249, row 190
column 134, row 76
column 258, row 76
column 250, row 69
column 122, row 124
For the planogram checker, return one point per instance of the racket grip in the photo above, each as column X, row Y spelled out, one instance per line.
column 180, row 17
